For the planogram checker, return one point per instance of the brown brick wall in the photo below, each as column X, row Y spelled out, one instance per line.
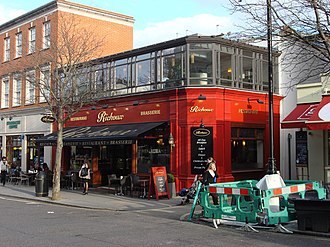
column 116, row 37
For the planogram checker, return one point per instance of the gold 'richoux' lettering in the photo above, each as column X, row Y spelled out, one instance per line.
column 247, row 111
column 202, row 109
column 105, row 117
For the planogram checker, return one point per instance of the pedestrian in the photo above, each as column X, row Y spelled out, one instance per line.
column 85, row 175
column 4, row 168
column 210, row 177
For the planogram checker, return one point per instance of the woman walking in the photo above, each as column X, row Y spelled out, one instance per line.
column 85, row 175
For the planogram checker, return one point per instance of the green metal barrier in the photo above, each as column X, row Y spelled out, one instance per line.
column 242, row 201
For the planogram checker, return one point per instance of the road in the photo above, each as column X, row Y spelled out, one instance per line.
column 28, row 223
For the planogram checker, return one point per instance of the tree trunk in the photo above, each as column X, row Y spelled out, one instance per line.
column 57, row 168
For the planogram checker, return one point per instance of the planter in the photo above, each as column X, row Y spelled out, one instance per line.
column 172, row 189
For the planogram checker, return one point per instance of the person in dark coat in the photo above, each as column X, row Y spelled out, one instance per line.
column 209, row 177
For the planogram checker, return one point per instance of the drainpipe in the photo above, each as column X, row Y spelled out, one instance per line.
column 289, row 153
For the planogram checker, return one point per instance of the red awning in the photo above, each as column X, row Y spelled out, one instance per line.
column 321, row 117
column 298, row 117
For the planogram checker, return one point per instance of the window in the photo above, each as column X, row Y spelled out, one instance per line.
column 226, row 67
column 5, row 92
column 17, row 88
column 19, row 44
column 32, row 40
column 247, row 148
column 44, row 84
column 46, row 38
column 30, row 87
column 200, row 67
column 32, row 152
column 7, row 49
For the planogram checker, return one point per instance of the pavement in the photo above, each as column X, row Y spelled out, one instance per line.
column 98, row 198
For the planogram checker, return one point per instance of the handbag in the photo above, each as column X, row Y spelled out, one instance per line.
column 84, row 172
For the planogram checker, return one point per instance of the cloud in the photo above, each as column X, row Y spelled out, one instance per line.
column 203, row 24
column 9, row 14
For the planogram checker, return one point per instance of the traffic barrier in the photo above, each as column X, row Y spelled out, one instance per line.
column 242, row 201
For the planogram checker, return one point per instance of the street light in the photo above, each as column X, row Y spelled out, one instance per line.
column 271, row 159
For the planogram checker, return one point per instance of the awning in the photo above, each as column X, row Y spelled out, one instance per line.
column 321, row 117
column 99, row 135
column 298, row 117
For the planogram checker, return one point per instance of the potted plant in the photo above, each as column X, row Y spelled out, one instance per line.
column 171, row 184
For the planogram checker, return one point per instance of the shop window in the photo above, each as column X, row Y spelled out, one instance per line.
column 153, row 152
column 247, row 148
column 32, row 152
column 14, row 150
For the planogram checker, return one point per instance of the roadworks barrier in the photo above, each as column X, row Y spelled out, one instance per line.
column 243, row 201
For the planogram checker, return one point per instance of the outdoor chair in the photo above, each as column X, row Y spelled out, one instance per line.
column 113, row 182
column 23, row 179
column 135, row 184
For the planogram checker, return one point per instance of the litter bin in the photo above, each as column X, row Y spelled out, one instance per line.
column 313, row 214
column 41, row 184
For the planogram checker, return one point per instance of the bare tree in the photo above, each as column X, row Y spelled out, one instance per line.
column 300, row 32
column 64, row 83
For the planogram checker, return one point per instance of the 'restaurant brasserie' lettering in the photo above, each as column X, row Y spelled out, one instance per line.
column 105, row 117
column 198, row 109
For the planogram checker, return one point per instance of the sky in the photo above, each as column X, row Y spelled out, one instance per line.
column 155, row 20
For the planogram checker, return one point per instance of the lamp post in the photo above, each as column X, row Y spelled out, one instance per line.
column 271, row 159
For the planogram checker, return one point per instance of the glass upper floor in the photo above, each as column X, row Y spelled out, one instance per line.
column 192, row 61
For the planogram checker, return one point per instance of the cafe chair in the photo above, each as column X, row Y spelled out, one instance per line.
column 113, row 182
column 135, row 184
column 23, row 179
column 76, row 181
column 122, row 183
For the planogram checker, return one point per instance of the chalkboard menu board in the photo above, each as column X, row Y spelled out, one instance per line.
column 158, row 184
column 301, row 148
column 201, row 148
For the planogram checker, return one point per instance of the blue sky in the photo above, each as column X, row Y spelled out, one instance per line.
column 155, row 21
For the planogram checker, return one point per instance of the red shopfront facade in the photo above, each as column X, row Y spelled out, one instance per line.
column 230, row 125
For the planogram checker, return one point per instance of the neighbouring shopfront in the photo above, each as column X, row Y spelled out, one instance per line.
column 311, row 147
column 18, row 135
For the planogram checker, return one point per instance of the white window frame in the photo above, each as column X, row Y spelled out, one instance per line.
column 46, row 36
column 19, row 44
column 5, row 92
column 44, row 84
column 17, row 89
column 30, row 87
column 6, row 49
column 32, row 40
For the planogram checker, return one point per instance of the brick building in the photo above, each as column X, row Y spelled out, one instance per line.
column 37, row 32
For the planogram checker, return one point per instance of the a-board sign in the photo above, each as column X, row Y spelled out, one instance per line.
column 158, row 184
